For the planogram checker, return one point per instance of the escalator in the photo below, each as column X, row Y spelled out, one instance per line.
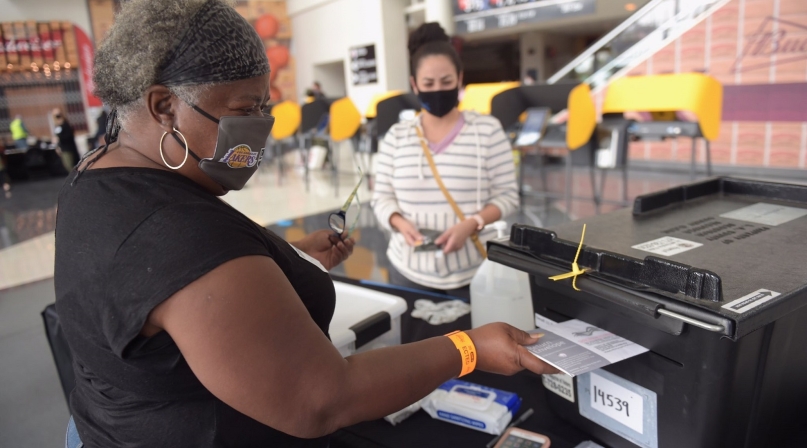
column 646, row 31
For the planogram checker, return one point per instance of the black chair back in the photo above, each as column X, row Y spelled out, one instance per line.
column 388, row 111
column 313, row 112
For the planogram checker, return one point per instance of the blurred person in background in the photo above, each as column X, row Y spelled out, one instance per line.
column 315, row 92
column 4, row 180
column 472, row 155
column 100, row 123
column 19, row 133
column 66, row 138
column 190, row 325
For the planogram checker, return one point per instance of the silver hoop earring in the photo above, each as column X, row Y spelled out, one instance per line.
column 163, row 156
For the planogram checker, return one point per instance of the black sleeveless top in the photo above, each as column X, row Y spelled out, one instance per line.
column 126, row 240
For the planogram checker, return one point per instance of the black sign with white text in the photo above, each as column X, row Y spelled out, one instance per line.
column 363, row 65
column 473, row 16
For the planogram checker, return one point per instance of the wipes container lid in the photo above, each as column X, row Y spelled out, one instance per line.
column 362, row 315
column 472, row 405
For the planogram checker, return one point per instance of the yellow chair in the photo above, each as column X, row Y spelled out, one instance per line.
column 345, row 120
column 314, row 118
column 663, row 95
column 288, row 116
column 344, row 123
column 372, row 108
column 367, row 142
column 478, row 97
column 509, row 107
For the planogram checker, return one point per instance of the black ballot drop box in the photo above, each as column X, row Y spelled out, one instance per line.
column 711, row 278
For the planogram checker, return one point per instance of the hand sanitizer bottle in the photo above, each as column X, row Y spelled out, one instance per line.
column 501, row 294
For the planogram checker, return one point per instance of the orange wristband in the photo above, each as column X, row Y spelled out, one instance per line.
column 467, row 350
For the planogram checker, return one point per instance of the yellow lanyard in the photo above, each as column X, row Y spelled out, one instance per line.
column 427, row 152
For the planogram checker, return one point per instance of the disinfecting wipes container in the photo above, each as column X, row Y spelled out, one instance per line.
column 472, row 405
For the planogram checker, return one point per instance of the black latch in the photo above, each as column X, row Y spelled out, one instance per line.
column 372, row 327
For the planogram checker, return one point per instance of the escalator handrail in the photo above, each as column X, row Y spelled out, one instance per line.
column 605, row 40
column 640, row 49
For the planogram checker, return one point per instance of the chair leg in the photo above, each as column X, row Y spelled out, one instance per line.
column 625, row 184
column 279, row 154
column 334, row 168
column 305, row 155
column 694, row 158
column 568, row 190
column 520, row 178
column 544, row 179
column 708, row 158
column 597, row 193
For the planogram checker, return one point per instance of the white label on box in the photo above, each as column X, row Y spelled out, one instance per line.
column 560, row 384
column 667, row 246
column 766, row 214
column 621, row 406
column 751, row 301
column 616, row 402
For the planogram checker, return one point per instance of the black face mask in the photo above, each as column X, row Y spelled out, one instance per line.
column 440, row 102
column 239, row 149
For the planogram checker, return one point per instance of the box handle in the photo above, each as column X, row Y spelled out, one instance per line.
column 637, row 301
column 517, row 260
column 691, row 321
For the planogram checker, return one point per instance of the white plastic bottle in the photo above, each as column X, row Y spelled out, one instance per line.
column 501, row 294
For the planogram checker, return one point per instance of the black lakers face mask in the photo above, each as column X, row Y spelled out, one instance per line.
column 239, row 149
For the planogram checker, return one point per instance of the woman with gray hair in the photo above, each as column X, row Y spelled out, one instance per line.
column 190, row 325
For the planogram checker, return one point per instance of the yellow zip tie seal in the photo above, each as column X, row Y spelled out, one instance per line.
column 575, row 268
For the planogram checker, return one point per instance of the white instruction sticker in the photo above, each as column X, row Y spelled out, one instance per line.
column 751, row 301
column 667, row 246
column 766, row 214
column 561, row 384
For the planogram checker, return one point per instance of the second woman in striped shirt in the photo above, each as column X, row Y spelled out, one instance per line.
column 473, row 157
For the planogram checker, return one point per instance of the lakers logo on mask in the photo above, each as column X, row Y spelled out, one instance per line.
column 240, row 156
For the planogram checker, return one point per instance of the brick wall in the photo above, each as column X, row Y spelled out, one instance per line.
column 758, row 50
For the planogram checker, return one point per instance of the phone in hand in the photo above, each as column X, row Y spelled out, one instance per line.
column 427, row 243
column 520, row 438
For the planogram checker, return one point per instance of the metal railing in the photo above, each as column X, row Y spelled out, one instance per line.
column 645, row 32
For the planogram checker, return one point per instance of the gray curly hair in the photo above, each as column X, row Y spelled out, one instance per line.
column 128, row 60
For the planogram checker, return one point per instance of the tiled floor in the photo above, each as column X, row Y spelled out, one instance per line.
column 32, row 408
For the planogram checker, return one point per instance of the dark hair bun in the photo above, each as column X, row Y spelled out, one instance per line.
column 428, row 32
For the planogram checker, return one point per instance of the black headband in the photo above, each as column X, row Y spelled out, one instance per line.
column 218, row 46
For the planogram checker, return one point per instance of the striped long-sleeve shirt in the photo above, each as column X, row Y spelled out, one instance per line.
column 477, row 168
